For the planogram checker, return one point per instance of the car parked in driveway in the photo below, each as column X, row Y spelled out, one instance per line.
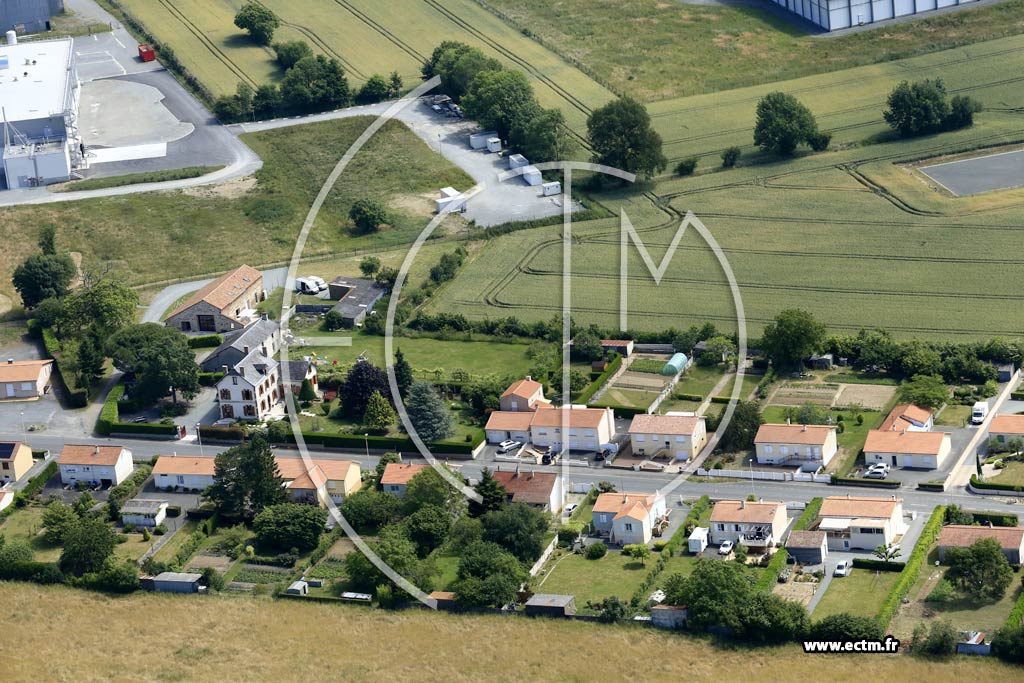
column 725, row 548
column 877, row 471
column 843, row 568
column 508, row 446
column 570, row 508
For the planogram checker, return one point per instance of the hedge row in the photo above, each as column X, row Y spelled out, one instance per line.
column 36, row 483
column 721, row 399
column 978, row 484
column 690, row 397
column 215, row 433
column 210, row 379
column 878, row 565
column 207, row 341
column 996, row 518
column 386, row 443
column 915, row 562
column 130, row 487
column 36, row 572
column 1016, row 616
column 932, row 486
column 1017, row 395
column 108, row 422
column 79, row 398
column 875, row 483
column 613, row 366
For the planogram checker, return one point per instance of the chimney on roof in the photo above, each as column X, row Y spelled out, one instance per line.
column 903, row 431
column 10, row 361
column 804, row 428
column 224, row 369
column 531, row 474
column 263, row 316
column 529, row 378
column 743, row 505
column 245, row 350
column 97, row 451
column 516, row 475
column 788, row 421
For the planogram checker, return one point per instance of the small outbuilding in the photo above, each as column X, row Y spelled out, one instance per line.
column 675, row 364
column 479, row 140
column 550, row 605
column 552, row 188
column 668, row 616
column 299, row 587
column 445, row 600
column 821, row 362
column 494, row 145
column 973, row 643
column 698, row 541
column 142, row 512
column 808, row 547
column 178, row 582
column 517, row 161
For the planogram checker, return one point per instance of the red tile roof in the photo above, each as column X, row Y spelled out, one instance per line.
column 524, row 388
column 760, row 512
column 1007, row 424
column 22, row 370
column 400, row 473
column 962, row 536
column 183, row 464
column 80, row 454
column 909, row 443
column 850, row 506
column 224, row 290
column 577, row 417
column 531, row 487
column 510, row 420
column 664, row 424
column 904, row 415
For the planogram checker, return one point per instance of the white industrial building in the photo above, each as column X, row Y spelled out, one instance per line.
column 39, row 92
column 832, row 15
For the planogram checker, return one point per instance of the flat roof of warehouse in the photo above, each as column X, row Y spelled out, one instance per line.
column 41, row 94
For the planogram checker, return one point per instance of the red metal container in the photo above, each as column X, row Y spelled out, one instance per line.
column 146, row 53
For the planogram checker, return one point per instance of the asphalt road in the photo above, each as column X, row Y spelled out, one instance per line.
column 640, row 482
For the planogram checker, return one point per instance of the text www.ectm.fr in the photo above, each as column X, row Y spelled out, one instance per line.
column 888, row 646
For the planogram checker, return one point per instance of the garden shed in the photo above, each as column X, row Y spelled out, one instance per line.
column 675, row 364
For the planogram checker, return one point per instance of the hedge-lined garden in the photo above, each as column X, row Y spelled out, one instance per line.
column 108, row 422
column 912, row 568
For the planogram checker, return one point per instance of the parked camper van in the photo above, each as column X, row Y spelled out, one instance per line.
column 979, row 412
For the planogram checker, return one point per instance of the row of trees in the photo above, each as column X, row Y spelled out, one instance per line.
column 499, row 99
column 495, row 540
column 92, row 321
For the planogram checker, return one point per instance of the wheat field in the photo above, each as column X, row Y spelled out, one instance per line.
column 60, row 634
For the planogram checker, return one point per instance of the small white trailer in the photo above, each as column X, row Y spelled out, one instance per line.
column 552, row 188
column 479, row 140
column 532, row 176
column 494, row 145
column 517, row 161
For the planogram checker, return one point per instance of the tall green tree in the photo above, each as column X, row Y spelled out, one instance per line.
column 315, row 84
column 289, row 525
column 428, row 413
column 586, row 346
column 379, row 415
column 927, row 391
column 519, row 529
column 429, row 487
column 714, row 593
column 459, row 65
column 43, row 276
column 542, row 136
column 290, row 52
column 742, row 428
column 500, row 100
column 87, row 545
column 493, row 495
column 981, row 569
column 89, row 358
column 428, row 528
column 621, row 135
column 403, row 373
column 791, row 337
column 259, row 21
column 374, row 90
column 159, row 357
column 246, row 480
column 917, row 108
column 48, row 239
column 369, row 266
column 104, row 304
column 768, row 618
column 363, row 379
column 783, row 122
column 58, row 520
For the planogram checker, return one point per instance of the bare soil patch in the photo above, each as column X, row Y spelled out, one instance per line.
column 874, row 396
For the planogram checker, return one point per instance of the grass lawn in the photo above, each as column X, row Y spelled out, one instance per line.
column 429, row 356
column 953, row 415
column 860, row 593
column 593, row 580
column 701, row 380
column 171, row 548
column 851, row 377
column 679, row 406
column 134, row 547
column 1012, row 474
column 626, row 397
column 448, row 571
column 966, row 613
column 240, row 222
column 134, row 178
column 25, row 525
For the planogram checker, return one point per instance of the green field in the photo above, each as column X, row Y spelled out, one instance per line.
column 219, row 228
column 593, row 580
column 656, row 50
column 366, row 37
column 848, row 234
column 860, row 593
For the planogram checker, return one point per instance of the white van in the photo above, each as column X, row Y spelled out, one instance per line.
column 979, row 412
column 306, row 286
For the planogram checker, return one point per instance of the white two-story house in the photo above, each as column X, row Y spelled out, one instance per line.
column 627, row 518
column 754, row 524
column 251, row 390
column 678, row 436
column 575, row 427
column 860, row 523
column 104, row 466
column 778, row 444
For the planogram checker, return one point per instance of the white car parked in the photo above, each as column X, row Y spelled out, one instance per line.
column 725, row 548
column 508, row 446
column 843, row 568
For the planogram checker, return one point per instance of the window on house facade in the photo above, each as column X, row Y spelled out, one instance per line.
column 721, row 527
column 249, row 410
column 639, row 438
column 234, row 381
column 783, row 450
column 27, row 386
column 737, row 527
column 247, row 394
column 225, row 394
column 181, row 480
column 768, row 449
column 629, row 527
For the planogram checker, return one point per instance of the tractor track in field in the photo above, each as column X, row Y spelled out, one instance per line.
column 383, row 31
column 849, row 81
column 320, row 43
column 208, row 44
